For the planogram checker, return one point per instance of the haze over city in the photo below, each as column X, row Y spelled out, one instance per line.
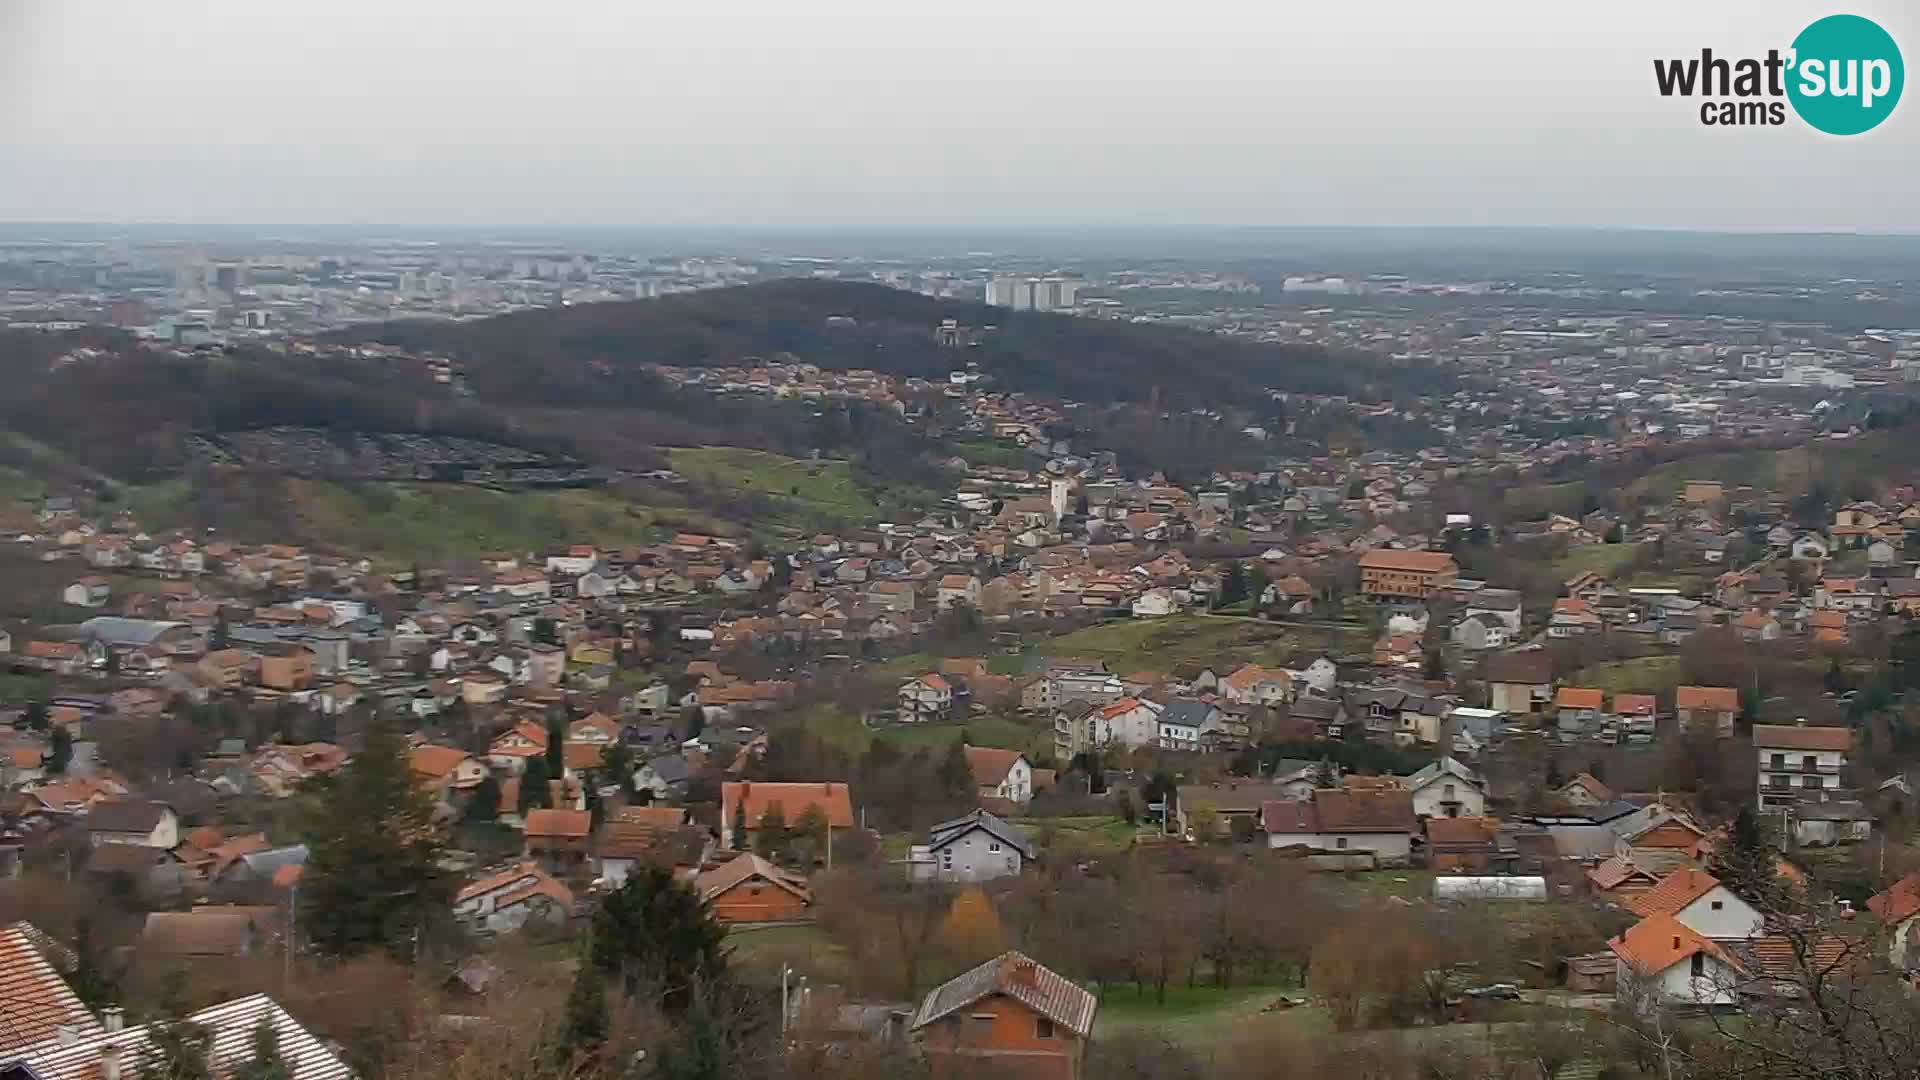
column 441, row 112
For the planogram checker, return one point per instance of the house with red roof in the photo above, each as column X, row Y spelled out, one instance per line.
column 1660, row 960
column 1001, row 774
column 929, row 697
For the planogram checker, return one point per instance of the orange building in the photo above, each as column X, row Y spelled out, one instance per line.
column 750, row 889
column 748, row 801
column 1406, row 575
column 1008, row 1017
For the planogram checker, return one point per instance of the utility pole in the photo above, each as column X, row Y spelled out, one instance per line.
column 286, row 948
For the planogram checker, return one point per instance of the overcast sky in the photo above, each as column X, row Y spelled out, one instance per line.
column 1475, row 112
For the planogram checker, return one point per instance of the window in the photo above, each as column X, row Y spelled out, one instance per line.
column 994, row 848
column 1043, row 1027
column 1809, row 763
column 1699, row 965
column 1779, row 761
column 1340, row 842
column 1718, row 904
column 1811, row 783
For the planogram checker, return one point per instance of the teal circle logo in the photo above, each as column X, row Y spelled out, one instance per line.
column 1846, row 75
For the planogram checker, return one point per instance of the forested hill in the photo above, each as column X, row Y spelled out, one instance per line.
column 557, row 352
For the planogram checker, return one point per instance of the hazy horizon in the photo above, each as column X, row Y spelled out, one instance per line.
column 486, row 115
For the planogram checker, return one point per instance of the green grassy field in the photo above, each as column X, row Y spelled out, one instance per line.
column 399, row 522
column 806, row 949
column 1097, row 834
column 1158, row 644
column 1645, row 675
column 1005, row 455
column 1602, row 558
column 812, row 494
column 843, row 729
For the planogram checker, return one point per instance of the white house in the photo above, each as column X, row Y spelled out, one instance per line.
column 1321, row 675
column 1660, row 961
column 1447, row 788
column 1001, row 774
column 978, row 847
column 929, row 697
column 1182, row 723
column 1799, row 763
column 510, row 899
column 1154, row 603
column 1696, row 900
column 1380, row 822
column 133, row 821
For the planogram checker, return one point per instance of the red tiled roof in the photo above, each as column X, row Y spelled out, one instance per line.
column 832, row 799
column 1900, row 902
column 1718, row 698
column 563, row 824
column 1674, row 892
column 1419, row 562
column 1795, row 737
column 1658, row 942
column 990, row 766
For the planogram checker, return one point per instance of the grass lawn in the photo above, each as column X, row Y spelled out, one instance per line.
column 815, row 492
column 1645, row 675
column 1602, row 558
column 402, row 522
column 806, row 949
column 1381, row 884
column 1005, row 455
column 1201, row 1015
column 1098, row 834
column 982, row 730
column 1158, row 644
column 844, row 729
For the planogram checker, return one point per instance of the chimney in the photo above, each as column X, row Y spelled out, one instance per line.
column 65, row 1035
column 110, row 1061
column 113, row 1018
column 557, row 794
column 1024, row 973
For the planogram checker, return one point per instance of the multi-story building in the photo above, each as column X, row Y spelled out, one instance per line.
column 1799, row 764
column 1406, row 575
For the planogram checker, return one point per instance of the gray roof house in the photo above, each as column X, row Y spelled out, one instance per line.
column 977, row 847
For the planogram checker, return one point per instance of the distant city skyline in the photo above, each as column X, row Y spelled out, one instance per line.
column 1490, row 113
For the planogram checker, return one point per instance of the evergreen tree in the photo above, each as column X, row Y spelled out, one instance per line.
column 956, row 776
column 656, row 936
column 739, row 833
column 596, row 811
column 1233, row 585
column 484, row 807
column 61, row 752
column 1435, row 667
column 534, row 793
column 91, row 984
column 220, row 636
column 770, row 834
column 544, row 632
column 586, row 1020
column 38, row 716
column 556, row 745
column 807, row 840
column 266, row 1063
column 373, row 872
column 1744, row 863
column 618, row 763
